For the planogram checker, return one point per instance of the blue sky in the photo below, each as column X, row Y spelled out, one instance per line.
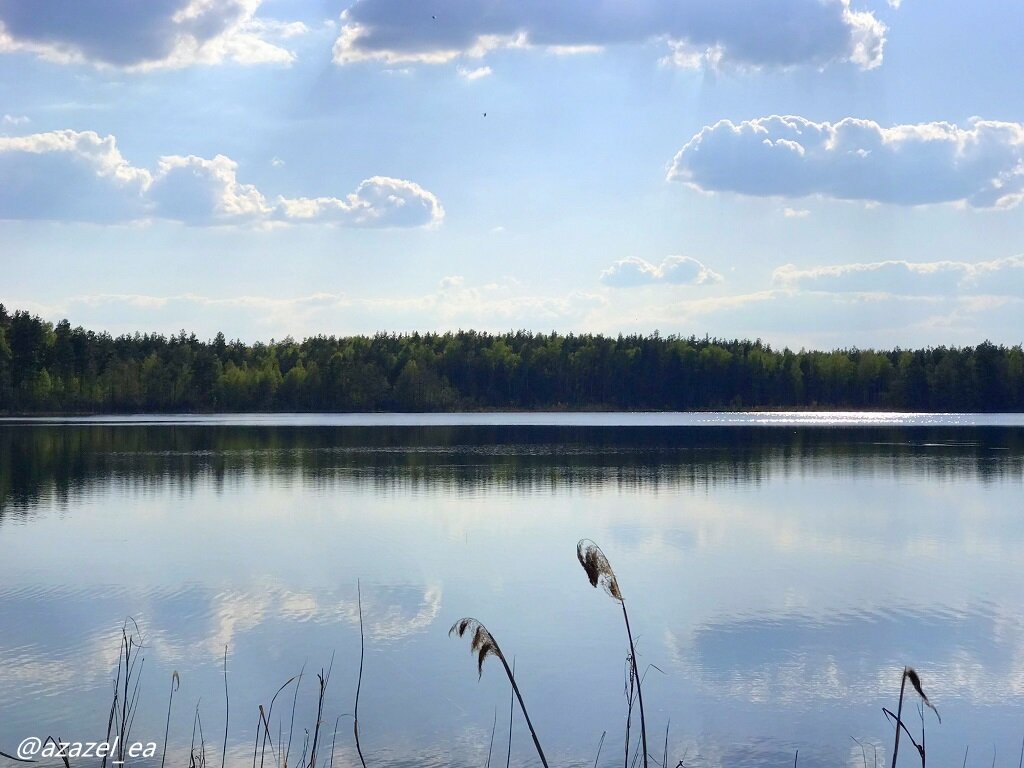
column 815, row 173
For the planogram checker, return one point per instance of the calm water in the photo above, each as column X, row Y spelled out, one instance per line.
column 780, row 569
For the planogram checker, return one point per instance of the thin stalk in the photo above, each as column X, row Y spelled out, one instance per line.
column 192, row 745
column 490, row 747
column 899, row 720
column 110, row 721
column 266, row 727
column 511, row 709
column 202, row 739
column 522, row 706
column 863, row 752
column 175, row 682
column 291, row 725
column 920, row 711
column 630, row 698
column 639, row 692
column 256, row 744
column 359, row 680
column 125, row 699
column 599, row 745
column 323, row 677
column 334, row 739
column 227, row 710
column 636, row 753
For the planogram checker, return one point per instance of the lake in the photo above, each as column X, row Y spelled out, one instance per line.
column 779, row 570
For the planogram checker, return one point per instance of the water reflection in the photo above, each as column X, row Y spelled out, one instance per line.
column 780, row 579
column 975, row 654
column 43, row 462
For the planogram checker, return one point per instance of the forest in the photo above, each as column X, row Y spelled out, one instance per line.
column 57, row 368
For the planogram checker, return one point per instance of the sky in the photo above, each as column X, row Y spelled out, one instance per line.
column 813, row 173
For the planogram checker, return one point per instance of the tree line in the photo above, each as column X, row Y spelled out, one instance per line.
column 57, row 368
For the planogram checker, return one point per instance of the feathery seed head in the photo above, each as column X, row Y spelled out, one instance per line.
column 483, row 643
column 911, row 674
column 598, row 569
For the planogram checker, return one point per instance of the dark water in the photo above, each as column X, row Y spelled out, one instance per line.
column 779, row 577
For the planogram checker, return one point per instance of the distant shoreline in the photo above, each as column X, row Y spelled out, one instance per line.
column 540, row 419
column 486, row 411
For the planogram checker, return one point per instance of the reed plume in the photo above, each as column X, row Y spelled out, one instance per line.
column 483, row 645
column 909, row 673
column 599, row 572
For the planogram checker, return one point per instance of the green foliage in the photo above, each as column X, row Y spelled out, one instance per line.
column 46, row 368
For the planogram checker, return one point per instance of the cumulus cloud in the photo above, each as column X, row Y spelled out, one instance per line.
column 71, row 175
column 796, row 213
column 762, row 33
column 678, row 270
column 377, row 202
column 998, row 277
column 200, row 191
column 980, row 164
column 81, row 176
column 144, row 35
column 15, row 120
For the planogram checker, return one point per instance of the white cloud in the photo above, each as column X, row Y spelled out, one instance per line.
column 144, row 35
column 796, row 213
column 634, row 271
column 200, row 191
column 822, row 320
column 70, row 175
column 980, row 165
column 768, row 33
column 999, row 277
column 474, row 74
column 15, row 120
column 377, row 202
column 497, row 306
column 81, row 176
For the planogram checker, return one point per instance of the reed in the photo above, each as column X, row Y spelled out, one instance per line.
column 511, row 711
column 599, row 572
column 909, row 673
column 126, row 689
column 359, row 682
column 483, row 645
column 227, row 710
column 175, row 684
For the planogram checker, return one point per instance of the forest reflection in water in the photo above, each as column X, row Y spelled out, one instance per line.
column 55, row 461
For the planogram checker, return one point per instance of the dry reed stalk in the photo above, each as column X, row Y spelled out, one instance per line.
column 599, row 572
column 359, row 681
column 483, row 644
column 909, row 673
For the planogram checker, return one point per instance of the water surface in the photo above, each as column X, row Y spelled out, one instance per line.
column 780, row 569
